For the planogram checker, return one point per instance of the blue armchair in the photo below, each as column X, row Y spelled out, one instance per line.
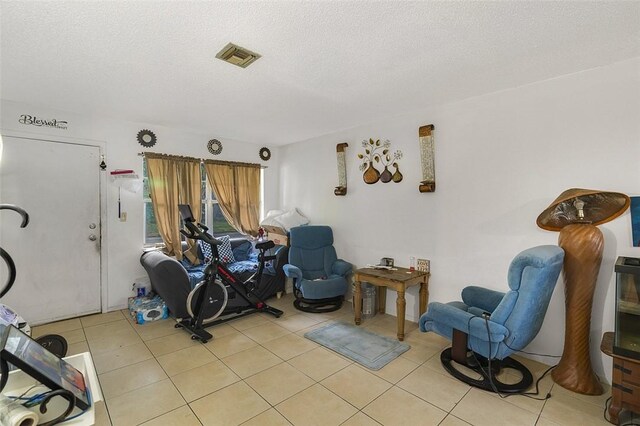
column 488, row 326
column 319, row 277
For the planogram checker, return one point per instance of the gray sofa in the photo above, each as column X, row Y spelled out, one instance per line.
column 173, row 280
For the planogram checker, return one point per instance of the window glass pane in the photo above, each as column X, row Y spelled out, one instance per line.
column 145, row 192
column 217, row 223
column 145, row 182
column 151, row 234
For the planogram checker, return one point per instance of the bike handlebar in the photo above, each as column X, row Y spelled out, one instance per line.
column 24, row 214
column 11, row 266
column 197, row 231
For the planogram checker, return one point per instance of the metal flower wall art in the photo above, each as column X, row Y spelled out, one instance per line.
column 376, row 154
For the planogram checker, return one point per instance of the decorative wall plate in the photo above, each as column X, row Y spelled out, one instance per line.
column 214, row 146
column 146, row 138
column 265, row 154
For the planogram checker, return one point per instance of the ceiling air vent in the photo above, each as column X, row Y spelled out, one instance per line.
column 237, row 55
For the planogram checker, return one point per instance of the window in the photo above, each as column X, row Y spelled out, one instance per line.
column 151, row 233
column 212, row 215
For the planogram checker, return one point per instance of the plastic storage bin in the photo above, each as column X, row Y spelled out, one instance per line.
column 368, row 300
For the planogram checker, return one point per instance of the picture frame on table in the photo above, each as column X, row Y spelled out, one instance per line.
column 423, row 265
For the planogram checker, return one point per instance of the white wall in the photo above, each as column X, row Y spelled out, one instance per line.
column 500, row 161
column 124, row 240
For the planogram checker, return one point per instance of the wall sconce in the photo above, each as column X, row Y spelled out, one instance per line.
column 428, row 183
column 341, row 189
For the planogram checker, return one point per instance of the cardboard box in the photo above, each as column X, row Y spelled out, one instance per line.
column 274, row 229
column 276, row 234
column 279, row 239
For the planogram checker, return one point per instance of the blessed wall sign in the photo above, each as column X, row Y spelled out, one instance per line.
column 41, row 122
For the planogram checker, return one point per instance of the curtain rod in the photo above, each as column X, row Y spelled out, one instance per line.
column 205, row 160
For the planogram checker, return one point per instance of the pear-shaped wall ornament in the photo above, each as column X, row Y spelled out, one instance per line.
column 397, row 176
column 385, row 176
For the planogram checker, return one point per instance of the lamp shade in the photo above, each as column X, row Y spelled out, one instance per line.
column 599, row 207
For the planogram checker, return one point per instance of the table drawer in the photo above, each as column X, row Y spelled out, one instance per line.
column 629, row 396
column 630, row 372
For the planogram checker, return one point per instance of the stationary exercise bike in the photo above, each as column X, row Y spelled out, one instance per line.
column 220, row 296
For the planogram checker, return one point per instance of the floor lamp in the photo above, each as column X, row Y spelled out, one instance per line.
column 575, row 213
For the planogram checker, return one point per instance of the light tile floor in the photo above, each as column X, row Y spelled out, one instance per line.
column 260, row 370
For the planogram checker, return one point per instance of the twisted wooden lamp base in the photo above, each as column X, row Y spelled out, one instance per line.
column 583, row 245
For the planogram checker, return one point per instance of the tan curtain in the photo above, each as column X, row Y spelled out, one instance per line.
column 163, row 188
column 237, row 189
column 173, row 181
column 189, row 190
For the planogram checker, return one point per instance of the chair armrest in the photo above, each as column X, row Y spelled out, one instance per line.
column 482, row 298
column 340, row 267
column 451, row 316
column 292, row 271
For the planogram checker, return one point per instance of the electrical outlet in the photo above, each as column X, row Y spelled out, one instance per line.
column 123, row 217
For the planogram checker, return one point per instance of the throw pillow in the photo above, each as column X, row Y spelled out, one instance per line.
column 225, row 254
column 224, row 250
column 291, row 219
column 206, row 252
column 273, row 213
column 242, row 251
column 270, row 219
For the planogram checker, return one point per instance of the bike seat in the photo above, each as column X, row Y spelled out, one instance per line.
column 265, row 245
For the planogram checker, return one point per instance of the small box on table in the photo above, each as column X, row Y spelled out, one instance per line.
column 277, row 234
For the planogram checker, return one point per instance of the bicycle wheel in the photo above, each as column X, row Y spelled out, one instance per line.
column 215, row 303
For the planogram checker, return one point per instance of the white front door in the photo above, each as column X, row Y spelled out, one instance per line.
column 57, row 255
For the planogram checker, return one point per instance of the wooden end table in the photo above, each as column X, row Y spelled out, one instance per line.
column 398, row 280
column 625, row 386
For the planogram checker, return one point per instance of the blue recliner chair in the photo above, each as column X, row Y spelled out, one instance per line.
column 488, row 326
column 319, row 277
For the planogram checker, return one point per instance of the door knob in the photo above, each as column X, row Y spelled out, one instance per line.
column 92, row 237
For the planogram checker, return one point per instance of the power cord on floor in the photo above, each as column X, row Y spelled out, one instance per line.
column 489, row 375
column 532, row 353
column 606, row 408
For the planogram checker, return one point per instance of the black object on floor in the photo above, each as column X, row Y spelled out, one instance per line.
column 54, row 343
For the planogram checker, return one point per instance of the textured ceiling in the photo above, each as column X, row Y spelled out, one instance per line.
column 326, row 66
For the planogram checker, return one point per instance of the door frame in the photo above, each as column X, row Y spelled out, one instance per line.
column 104, row 241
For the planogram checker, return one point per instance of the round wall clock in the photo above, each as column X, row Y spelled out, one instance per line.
column 265, row 154
column 146, row 138
column 214, row 146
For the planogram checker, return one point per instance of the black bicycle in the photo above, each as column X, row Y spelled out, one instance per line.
column 220, row 296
